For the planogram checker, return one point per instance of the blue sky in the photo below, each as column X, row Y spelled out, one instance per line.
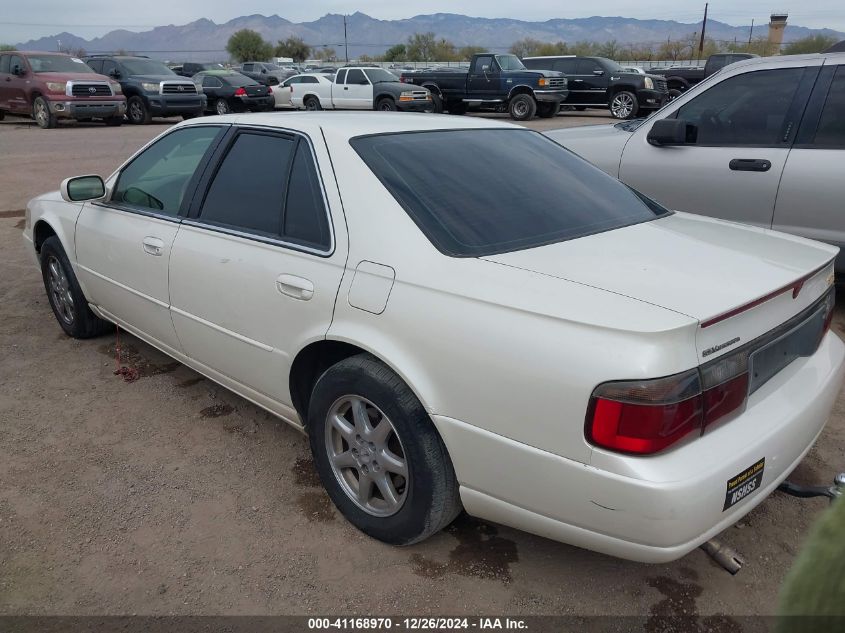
column 21, row 21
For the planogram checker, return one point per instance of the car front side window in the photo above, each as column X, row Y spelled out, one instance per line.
column 158, row 178
column 747, row 109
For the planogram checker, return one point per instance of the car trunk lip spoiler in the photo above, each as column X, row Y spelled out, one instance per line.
column 795, row 287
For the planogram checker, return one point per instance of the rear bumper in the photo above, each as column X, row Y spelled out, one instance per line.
column 88, row 109
column 662, row 506
column 165, row 105
column 255, row 103
column 551, row 96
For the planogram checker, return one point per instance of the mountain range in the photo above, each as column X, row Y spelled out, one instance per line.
column 204, row 40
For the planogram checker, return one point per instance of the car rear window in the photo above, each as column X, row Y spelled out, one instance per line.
column 483, row 192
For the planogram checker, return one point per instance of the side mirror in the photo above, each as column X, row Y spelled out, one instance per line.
column 114, row 74
column 672, row 132
column 485, row 69
column 81, row 188
column 598, row 73
column 18, row 70
column 272, row 81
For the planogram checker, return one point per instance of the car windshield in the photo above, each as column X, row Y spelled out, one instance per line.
column 145, row 67
column 377, row 75
column 57, row 64
column 497, row 191
column 509, row 62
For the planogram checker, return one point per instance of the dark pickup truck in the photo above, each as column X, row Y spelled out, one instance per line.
column 494, row 82
column 596, row 82
column 681, row 78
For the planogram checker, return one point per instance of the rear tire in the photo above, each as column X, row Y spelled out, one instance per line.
column 522, row 107
column 65, row 295
column 137, row 112
column 349, row 449
column 437, row 102
column 221, row 107
column 312, row 104
column 674, row 93
column 42, row 114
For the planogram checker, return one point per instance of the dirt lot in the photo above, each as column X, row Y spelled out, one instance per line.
column 171, row 495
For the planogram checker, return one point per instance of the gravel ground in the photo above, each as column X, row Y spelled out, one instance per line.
column 171, row 495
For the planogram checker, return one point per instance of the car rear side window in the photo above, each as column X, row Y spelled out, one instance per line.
column 746, row 109
column 831, row 129
column 248, row 190
column 158, row 178
column 566, row 66
column 496, row 191
column 4, row 64
column 305, row 220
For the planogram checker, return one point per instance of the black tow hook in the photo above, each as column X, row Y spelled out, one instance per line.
column 806, row 492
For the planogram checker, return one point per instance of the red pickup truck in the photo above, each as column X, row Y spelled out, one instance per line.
column 53, row 86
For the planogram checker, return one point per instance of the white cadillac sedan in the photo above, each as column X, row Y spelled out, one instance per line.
column 462, row 313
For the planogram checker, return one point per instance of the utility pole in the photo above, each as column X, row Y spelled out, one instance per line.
column 703, row 27
column 751, row 32
column 345, row 42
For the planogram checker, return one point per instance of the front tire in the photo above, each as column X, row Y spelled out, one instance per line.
column 522, row 107
column 386, row 105
column 42, row 114
column 624, row 105
column 65, row 295
column 378, row 454
column 137, row 112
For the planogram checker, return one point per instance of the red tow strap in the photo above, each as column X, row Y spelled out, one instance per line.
column 129, row 374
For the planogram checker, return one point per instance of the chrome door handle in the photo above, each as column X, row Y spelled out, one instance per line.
column 153, row 246
column 295, row 287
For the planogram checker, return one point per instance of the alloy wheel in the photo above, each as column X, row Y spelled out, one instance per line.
column 366, row 456
column 41, row 114
column 60, row 291
column 622, row 106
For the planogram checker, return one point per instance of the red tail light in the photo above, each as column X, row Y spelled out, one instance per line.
column 240, row 92
column 644, row 417
column 269, row 90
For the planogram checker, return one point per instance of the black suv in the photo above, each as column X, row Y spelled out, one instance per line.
column 596, row 82
column 151, row 88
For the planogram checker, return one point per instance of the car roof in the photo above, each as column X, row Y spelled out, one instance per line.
column 779, row 59
column 56, row 53
column 351, row 124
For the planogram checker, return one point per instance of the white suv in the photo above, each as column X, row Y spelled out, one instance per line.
column 761, row 142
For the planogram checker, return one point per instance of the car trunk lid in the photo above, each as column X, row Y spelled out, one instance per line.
column 739, row 282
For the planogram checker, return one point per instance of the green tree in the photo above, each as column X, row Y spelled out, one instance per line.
column 809, row 44
column 465, row 53
column 526, row 47
column 396, row 53
column 421, row 47
column 327, row 54
column 293, row 47
column 445, row 51
column 611, row 49
column 7, row 47
column 246, row 45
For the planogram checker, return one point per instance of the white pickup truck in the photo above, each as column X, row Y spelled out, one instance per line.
column 362, row 88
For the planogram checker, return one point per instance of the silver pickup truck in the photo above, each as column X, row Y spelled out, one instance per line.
column 761, row 142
